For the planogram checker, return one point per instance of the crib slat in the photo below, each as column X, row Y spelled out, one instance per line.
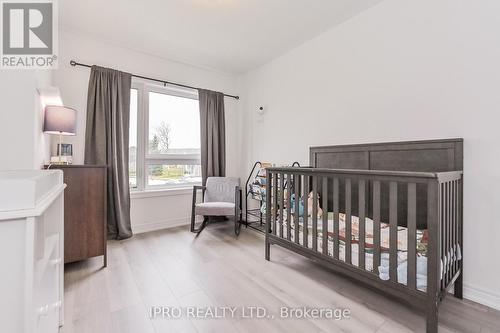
column 336, row 218
column 269, row 216
column 296, row 217
column 393, row 231
column 412, row 235
column 376, row 225
column 442, row 217
column 281, row 198
column 324, row 204
column 446, row 234
column 289, row 206
column 450, row 233
column 443, row 233
column 305, row 221
column 274, row 208
column 452, row 228
column 315, row 214
column 348, row 221
column 455, row 243
column 460, row 223
column 362, row 223
column 433, row 219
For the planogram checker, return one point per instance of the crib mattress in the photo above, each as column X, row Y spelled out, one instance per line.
column 383, row 269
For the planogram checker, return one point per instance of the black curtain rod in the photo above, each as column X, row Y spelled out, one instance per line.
column 74, row 63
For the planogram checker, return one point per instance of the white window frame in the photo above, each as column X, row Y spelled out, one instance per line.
column 144, row 158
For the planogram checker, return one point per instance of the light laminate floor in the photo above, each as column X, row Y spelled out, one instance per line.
column 172, row 268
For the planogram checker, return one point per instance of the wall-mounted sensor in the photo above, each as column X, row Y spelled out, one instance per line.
column 260, row 111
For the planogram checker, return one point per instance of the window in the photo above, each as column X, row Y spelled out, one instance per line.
column 165, row 152
column 132, row 145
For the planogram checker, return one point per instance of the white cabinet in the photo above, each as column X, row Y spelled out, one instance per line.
column 31, row 251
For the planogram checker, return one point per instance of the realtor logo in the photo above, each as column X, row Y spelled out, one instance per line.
column 29, row 34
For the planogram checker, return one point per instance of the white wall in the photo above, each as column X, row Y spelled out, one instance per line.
column 148, row 212
column 402, row 70
column 22, row 142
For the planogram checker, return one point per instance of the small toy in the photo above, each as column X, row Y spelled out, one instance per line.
column 301, row 205
column 310, row 205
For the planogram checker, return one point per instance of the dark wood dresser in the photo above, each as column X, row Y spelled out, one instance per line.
column 85, row 230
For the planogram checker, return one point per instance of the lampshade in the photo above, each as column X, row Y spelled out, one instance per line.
column 59, row 120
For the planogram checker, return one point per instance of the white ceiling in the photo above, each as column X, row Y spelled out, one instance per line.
column 233, row 36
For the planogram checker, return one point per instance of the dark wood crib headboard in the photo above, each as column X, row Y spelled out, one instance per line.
column 422, row 156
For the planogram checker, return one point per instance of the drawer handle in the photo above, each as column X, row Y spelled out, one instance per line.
column 56, row 262
column 43, row 310
column 57, row 305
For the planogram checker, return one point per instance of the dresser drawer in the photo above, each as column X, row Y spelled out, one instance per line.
column 85, row 231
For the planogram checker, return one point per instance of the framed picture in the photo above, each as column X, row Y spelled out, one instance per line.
column 67, row 149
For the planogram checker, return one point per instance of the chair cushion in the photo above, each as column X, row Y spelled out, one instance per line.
column 215, row 208
column 221, row 189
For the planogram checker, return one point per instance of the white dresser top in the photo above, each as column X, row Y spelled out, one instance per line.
column 24, row 190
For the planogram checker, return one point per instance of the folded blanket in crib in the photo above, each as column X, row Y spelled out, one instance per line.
column 451, row 257
column 421, row 235
column 383, row 269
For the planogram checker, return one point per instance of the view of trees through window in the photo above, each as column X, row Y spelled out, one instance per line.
column 160, row 143
column 172, row 152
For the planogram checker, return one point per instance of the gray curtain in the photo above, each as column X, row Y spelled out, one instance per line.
column 213, row 134
column 106, row 141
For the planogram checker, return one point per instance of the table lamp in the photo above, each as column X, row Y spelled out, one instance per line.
column 59, row 120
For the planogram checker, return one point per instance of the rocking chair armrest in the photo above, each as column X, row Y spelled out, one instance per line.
column 237, row 210
column 199, row 187
column 196, row 188
column 237, row 197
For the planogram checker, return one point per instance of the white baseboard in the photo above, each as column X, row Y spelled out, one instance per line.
column 159, row 225
column 482, row 296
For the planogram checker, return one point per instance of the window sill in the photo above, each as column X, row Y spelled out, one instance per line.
column 164, row 192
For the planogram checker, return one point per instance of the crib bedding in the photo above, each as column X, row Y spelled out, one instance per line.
column 383, row 269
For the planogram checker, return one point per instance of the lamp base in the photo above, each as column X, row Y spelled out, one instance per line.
column 61, row 160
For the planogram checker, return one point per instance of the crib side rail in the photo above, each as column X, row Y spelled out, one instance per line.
column 384, row 196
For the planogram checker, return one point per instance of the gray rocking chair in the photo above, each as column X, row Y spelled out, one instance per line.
column 221, row 197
